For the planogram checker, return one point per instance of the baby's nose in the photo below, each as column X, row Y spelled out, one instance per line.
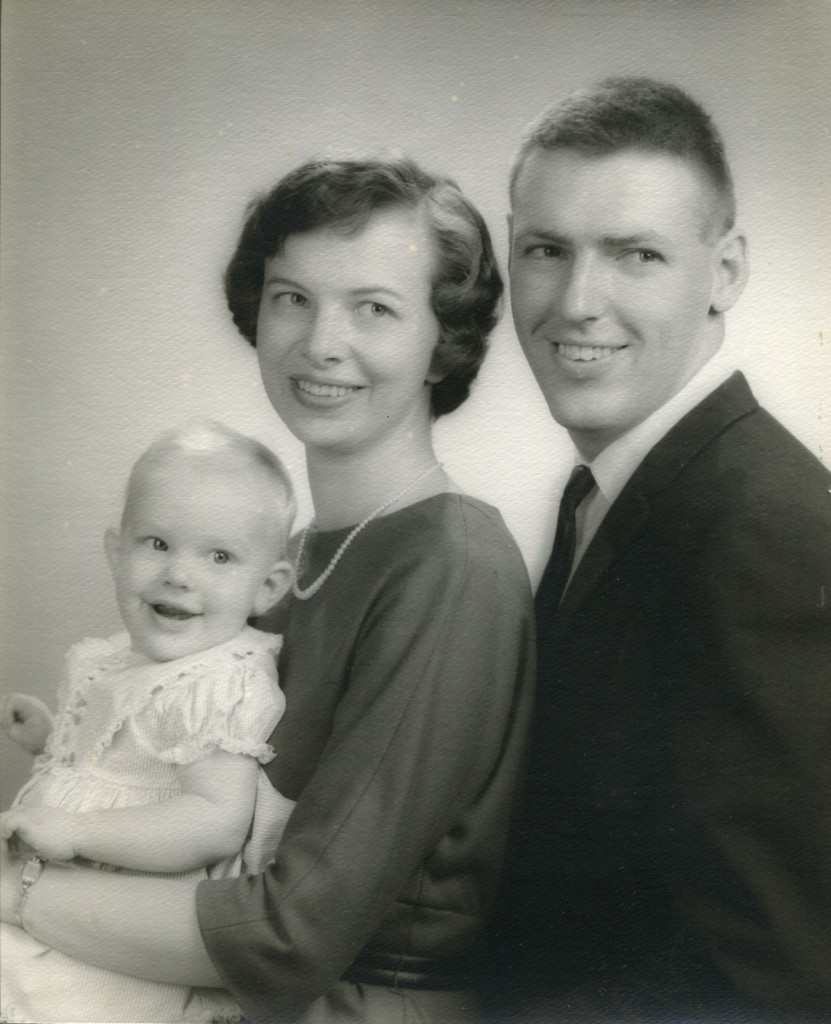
column 179, row 572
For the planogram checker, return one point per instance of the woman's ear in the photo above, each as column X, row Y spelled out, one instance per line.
column 731, row 271
column 112, row 541
column 273, row 587
column 437, row 371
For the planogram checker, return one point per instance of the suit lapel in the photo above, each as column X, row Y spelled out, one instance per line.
column 627, row 516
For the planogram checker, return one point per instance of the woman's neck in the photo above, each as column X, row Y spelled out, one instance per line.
column 348, row 487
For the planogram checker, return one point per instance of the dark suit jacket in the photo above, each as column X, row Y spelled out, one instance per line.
column 675, row 858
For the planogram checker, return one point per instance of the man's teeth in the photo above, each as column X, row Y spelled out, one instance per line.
column 585, row 353
column 325, row 390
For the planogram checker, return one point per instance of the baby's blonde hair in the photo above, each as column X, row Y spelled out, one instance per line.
column 210, row 439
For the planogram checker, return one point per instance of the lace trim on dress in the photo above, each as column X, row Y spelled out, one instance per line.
column 188, row 753
column 226, row 696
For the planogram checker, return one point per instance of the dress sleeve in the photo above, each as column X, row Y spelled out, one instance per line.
column 416, row 738
column 233, row 705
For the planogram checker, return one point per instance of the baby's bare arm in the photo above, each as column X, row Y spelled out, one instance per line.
column 208, row 821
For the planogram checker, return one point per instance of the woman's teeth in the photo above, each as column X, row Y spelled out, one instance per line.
column 325, row 390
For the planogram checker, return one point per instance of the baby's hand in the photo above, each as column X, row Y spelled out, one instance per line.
column 27, row 720
column 50, row 832
column 15, row 847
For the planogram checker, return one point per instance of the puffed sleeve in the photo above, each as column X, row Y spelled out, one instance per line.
column 232, row 703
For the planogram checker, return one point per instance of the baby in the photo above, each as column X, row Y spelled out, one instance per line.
column 153, row 762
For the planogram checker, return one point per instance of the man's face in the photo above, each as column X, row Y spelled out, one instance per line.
column 612, row 280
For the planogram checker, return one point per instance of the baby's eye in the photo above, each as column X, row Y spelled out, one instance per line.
column 158, row 544
column 221, row 557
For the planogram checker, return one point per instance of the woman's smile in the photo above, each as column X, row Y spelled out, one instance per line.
column 346, row 332
column 323, row 390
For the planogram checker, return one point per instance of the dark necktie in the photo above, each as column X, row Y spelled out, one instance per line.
column 557, row 571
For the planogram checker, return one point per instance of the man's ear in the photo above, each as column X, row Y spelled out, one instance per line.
column 112, row 541
column 731, row 271
column 273, row 587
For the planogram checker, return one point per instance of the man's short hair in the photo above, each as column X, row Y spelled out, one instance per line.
column 343, row 195
column 636, row 113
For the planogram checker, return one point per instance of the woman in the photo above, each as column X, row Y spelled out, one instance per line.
column 369, row 289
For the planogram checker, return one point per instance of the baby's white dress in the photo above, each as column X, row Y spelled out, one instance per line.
column 121, row 729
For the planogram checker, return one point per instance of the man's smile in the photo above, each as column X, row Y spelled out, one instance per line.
column 586, row 353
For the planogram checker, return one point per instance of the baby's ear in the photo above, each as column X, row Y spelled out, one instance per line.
column 273, row 587
column 112, row 540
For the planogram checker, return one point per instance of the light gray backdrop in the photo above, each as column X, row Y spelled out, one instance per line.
column 135, row 132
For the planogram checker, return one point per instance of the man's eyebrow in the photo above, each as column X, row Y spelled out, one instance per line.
column 540, row 235
column 640, row 238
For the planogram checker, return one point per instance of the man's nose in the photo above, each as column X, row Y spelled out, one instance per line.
column 583, row 293
column 326, row 338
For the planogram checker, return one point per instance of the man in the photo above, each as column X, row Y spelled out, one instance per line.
column 674, row 863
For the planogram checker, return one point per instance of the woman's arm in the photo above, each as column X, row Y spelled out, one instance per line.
column 411, row 792
column 207, row 822
column 136, row 925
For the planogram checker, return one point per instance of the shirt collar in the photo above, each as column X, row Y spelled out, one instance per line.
column 613, row 467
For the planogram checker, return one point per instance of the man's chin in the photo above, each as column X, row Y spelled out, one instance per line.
column 589, row 433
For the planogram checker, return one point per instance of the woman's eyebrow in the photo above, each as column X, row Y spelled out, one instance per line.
column 280, row 279
column 377, row 290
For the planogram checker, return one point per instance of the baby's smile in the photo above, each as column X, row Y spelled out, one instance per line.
column 169, row 611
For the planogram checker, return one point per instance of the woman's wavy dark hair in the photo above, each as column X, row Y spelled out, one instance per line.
column 466, row 286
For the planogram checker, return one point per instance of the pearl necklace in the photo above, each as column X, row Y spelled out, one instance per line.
column 311, row 590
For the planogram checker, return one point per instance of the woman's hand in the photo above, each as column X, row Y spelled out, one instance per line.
column 27, row 720
column 50, row 832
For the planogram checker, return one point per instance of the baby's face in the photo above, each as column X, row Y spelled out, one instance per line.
column 196, row 556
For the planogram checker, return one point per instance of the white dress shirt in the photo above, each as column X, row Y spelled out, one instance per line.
column 614, row 466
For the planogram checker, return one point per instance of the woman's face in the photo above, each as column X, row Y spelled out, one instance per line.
column 346, row 332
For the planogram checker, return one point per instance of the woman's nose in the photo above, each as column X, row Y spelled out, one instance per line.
column 326, row 337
